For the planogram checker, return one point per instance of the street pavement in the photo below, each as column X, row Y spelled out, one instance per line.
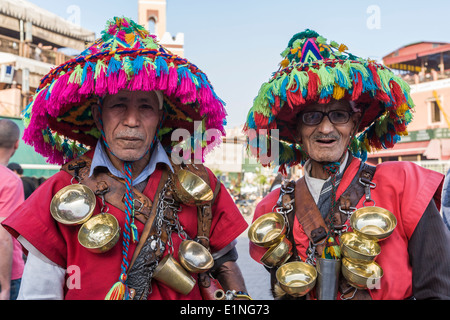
column 257, row 278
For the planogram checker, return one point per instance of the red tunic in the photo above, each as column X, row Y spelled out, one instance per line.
column 403, row 188
column 98, row 272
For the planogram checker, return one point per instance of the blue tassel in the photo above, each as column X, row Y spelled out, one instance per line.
column 113, row 67
column 138, row 63
column 161, row 66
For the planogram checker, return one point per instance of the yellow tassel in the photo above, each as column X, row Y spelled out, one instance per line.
column 338, row 92
column 402, row 109
column 117, row 292
column 129, row 38
column 284, row 63
column 294, row 51
column 342, row 48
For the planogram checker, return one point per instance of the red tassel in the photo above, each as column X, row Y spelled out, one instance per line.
column 313, row 86
column 357, row 87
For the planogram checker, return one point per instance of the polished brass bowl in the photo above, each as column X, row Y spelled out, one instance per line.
column 296, row 278
column 73, row 204
column 190, row 189
column 359, row 249
column 194, row 257
column 277, row 254
column 373, row 223
column 267, row 230
column 362, row 275
column 100, row 233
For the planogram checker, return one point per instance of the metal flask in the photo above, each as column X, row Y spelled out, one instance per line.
column 328, row 278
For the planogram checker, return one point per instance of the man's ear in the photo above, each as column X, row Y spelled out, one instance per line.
column 356, row 118
column 297, row 133
column 96, row 114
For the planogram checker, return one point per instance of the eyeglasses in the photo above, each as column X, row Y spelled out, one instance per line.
column 313, row 118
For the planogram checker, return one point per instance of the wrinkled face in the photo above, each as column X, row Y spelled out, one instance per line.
column 323, row 140
column 130, row 120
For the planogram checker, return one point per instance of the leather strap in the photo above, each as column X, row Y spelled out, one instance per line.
column 204, row 218
column 309, row 216
column 314, row 225
column 112, row 188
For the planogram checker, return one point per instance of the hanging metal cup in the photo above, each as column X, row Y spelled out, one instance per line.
column 328, row 278
column 73, row 204
column 170, row 272
column 194, row 257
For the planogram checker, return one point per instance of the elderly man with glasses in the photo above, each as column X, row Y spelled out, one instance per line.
column 329, row 109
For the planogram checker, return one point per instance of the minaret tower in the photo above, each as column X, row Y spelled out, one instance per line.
column 152, row 15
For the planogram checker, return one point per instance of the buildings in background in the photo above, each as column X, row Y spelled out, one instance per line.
column 426, row 67
column 152, row 14
column 32, row 41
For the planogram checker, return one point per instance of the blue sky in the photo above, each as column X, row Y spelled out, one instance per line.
column 237, row 43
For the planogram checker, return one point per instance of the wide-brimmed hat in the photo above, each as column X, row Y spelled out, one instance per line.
column 316, row 71
column 59, row 123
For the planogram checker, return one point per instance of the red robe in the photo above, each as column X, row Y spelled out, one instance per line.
column 404, row 189
column 98, row 272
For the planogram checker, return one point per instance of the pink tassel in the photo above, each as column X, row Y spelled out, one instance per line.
column 162, row 81
column 172, row 82
column 136, row 82
column 101, row 85
column 149, row 78
column 57, row 89
column 122, row 80
column 112, row 81
column 87, row 87
column 70, row 92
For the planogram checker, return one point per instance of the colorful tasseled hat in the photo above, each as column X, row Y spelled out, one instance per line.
column 58, row 121
column 314, row 71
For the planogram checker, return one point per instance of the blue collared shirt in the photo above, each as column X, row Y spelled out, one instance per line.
column 101, row 158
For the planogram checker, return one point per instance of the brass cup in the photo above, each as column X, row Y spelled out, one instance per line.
column 373, row 223
column 267, row 230
column 359, row 249
column 190, row 189
column 296, row 278
column 100, row 233
column 277, row 254
column 170, row 272
column 361, row 275
column 194, row 257
column 73, row 204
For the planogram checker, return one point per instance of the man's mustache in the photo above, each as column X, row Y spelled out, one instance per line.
column 325, row 137
column 130, row 134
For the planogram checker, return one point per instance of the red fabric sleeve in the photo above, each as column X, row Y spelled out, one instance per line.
column 34, row 222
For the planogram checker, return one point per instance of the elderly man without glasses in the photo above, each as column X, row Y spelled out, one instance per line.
column 112, row 222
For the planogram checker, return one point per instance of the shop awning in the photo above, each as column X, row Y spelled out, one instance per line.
column 403, row 149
